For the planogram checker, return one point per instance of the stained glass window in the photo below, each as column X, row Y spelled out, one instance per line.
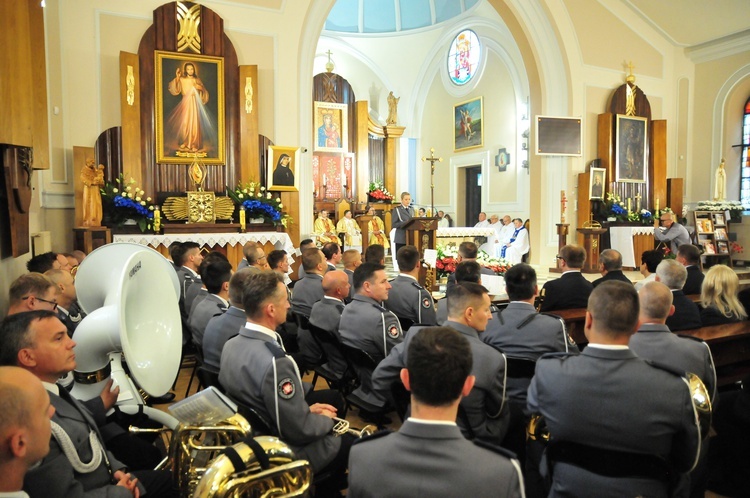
column 745, row 164
column 463, row 57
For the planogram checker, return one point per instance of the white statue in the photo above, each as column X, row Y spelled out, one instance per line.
column 720, row 189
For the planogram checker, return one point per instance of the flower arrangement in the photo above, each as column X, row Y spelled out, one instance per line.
column 643, row 216
column 615, row 207
column 123, row 201
column 378, row 192
column 736, row 247
column 447, row 261
column 734, row 207
column 258, row 203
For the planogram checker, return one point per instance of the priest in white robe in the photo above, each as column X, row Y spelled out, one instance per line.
column 518, row 245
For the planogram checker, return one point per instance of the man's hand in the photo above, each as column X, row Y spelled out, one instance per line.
column 127, row 481
column 323, row 409
column 109, row 395
column 178, row 73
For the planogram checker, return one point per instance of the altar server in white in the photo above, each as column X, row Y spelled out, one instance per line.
column 518, row 245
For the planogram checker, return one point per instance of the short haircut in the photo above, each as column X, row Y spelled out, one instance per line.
column 404, row 194
column 573, row 255
column 468, row 250
column 652, row 259
column 211, row 257
column 41, row 262
column 611, row 259
column 656, row 300
column 672, row 274
column 468, row 271
column 330, row 249
column 462, row 296
column 237, row 285
column 439, row 360
column 311, row 258
column 15, row 408
column 187, row 247
column 176, row 250
column 691, row 254
column 520, row 282
column 375, row 253
column 305, row 243
column 407, row 258
column 215, row 274
column 15, row 334
column 614, row 306
column 29, row 284
column 250, row 252
column 351, row 256
column 365, row 273
column 275, row 258
column 517, row 219
column 259, row 287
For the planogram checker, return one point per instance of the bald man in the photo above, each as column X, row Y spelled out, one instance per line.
column 25, row 413
column 352, row 259
column 326, row 314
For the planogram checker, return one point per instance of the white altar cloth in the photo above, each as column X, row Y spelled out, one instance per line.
column 621, row 239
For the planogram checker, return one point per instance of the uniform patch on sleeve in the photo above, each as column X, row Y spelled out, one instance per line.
column 286, row 388
column 426, row 302
column 393, row 331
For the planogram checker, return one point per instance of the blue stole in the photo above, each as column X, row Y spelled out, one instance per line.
column 512, row 239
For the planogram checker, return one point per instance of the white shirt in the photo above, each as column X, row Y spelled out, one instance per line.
column 613, row 347
column 482, row 224
column 431, row 422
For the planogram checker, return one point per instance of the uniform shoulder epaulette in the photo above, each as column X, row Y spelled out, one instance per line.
column 558, row 354
column 275, row 350
column 667, row 368
column 494, row 309
column 696, row 339
column 416, row 284
column 379, row 308
column 526, row 320
column 551, row 315
column 494, row 448
column 373, row 436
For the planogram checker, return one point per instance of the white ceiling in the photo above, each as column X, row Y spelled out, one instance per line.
column 694, row 22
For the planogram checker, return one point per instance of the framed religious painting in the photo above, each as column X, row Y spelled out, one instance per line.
column 596, row 183
column 189, row 108
column 631, row 156
column 282, row 168
column 467, row 125
column 331, row 127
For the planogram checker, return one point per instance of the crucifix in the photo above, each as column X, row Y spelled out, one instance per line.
column 563, row 204
column 432, row 160
column 638, row 202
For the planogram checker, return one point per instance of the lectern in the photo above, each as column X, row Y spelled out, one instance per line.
column 591, row 245
column 421, row 233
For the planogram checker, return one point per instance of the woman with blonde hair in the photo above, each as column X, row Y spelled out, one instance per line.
column 719, row 303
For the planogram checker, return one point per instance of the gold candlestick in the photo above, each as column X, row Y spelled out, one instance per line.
column 242, row 219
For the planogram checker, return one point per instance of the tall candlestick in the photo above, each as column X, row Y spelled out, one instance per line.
column 629, row 205
column 657, row 207
column 242, row 218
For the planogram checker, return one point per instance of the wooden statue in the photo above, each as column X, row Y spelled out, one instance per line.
column 92, row 178
column 392, row 109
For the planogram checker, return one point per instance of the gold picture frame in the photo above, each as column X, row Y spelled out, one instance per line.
column 331, row 123
column 189, row 108
column 282, row 171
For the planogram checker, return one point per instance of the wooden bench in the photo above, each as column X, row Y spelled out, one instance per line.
column 729, row 343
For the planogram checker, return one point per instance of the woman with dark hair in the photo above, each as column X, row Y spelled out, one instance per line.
column 282, row 174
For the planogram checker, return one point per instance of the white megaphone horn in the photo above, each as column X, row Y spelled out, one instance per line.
column 130, row 294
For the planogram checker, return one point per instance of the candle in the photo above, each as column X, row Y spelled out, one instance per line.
column 629, row 205
column 657, row 205
column 242, row 218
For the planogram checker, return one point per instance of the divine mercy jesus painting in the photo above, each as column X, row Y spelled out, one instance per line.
column 189, row 108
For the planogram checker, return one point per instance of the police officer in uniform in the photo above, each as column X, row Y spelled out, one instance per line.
column 216, row 277
column 483, row 414
column 407, row 299
column 400, row 216
column 309, row 289
column 618, row 425
column 326, row 315
column 429, row 456
column 466, row 271
column 256, row 371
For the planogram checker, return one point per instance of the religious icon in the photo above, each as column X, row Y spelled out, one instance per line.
column 282, row 168
column 331, row 127
column 632, row 143
column 467, row 122
column 596, row 184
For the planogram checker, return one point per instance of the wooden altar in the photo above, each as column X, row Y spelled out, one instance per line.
column 592, row 245
column 421, row 233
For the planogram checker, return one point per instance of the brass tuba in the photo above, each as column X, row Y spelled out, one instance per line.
column 701, row 403
column 341, row 427
column 256, row 467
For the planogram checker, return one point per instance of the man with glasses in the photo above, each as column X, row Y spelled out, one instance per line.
column 32, row 291
column 671, row 232
column 571, row 290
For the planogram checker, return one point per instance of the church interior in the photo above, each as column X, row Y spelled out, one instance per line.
column 236, row 121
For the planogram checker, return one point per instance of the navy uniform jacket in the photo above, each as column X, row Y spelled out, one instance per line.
column 520, row 332
column 430, row 460
column 656, row 343
column 686, row 313
column 256, row 371
column 616, row 275
column 614, row 400
column 570, row 291
column 407, row 299
column 55, row 476
column 483, row 414
column 326, row 314
column 210, row 307
column 218, row 331
column 307, row 292
column 694, row 280
column 400, row 216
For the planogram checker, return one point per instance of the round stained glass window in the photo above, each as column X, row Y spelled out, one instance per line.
column 463, row 57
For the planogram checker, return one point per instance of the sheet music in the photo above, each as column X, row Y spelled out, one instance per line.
column 495, row 284
column 205, row 407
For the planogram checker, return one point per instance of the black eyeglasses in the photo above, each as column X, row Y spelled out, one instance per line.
column 559, row 257
column 53, row 303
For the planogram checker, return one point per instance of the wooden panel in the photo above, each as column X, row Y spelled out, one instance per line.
column 617, row 104
column 130, row 118
column 38, row 83
column 212, row 33
column 166, row 28
column 80, row 156
column 583, row 209
column 605, row 145
column 249, row 167
column 642, row 243
column 675, row 188
column 232, row 131
column 361, row 149
column 108, row 151
column 148, row 105
column 658, row 162
column 290, row 200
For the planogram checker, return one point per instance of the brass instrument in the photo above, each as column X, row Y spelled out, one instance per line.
column 701, row 402
column 192, row 449
column 341, row 427
column 285, row 476
column 537, row 429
